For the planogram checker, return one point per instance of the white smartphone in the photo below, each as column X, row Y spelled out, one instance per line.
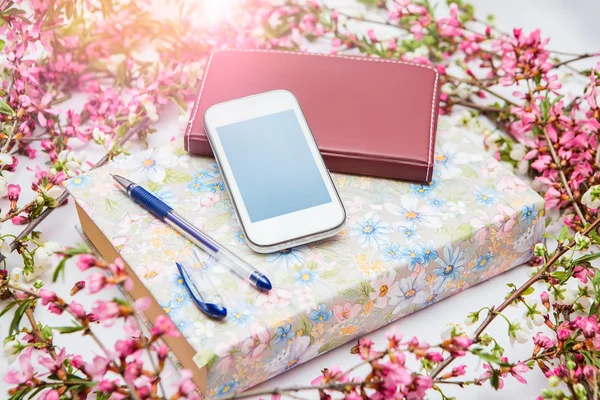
column 281, row 190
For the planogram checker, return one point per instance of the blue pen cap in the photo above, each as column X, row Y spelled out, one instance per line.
column 212, row 310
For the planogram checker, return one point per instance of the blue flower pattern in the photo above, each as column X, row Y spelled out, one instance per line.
column 451, row 266
column 315, row 280
column 321, row 314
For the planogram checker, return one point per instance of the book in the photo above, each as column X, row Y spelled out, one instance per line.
column 405, row 246
column 369, row 116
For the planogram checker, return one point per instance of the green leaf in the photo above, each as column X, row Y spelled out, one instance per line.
column 16, row 321
column 349, row 294
column 180, row 151
column 462, row 232
column 80, row 248
column 173, row 176
column 365, row 289
column 495, row 379
column 68, row 329
column 587, row 258
column 103, row 396
column 154, row 187
column 332, row 273
column 4, row 107
column 563, row 234
column 60, row 268
column 490, row 358
column 216, row 222
column 305, row 325
column 8, row 307
column 111, row 206
column 122, row 130
column 528, row 291
column 2, row 43
column 35, row 392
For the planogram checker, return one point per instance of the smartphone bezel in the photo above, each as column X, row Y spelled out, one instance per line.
column 286, row 230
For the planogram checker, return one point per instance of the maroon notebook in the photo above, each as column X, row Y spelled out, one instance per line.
column 369, row 116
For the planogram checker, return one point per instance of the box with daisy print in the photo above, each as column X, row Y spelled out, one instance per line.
column 405, row 246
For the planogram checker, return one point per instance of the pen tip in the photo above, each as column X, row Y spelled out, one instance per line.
column 214, row 310
column 263, row 283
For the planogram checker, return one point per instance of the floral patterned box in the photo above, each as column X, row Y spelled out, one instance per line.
column 404, row 247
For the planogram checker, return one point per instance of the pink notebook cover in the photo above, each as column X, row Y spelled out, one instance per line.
column 369, row 116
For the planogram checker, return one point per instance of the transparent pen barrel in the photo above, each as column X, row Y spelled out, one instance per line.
column 226, row 258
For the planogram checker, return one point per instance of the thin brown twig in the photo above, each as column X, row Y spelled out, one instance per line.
column 578, row 58
column 143, row 124
column 339, row 386
column 494, row 312
column 563, row 177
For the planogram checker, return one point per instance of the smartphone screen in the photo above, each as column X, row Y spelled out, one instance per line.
column 273, row 166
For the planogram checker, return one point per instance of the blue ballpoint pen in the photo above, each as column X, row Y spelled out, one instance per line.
column 165, row 213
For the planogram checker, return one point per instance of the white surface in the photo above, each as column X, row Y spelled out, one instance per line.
column 572, row 27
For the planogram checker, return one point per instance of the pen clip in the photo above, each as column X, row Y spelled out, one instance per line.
column 213, row 310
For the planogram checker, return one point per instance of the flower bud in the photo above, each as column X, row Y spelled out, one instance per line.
column 553, row 381
column 539, row 249
column 591, row 198
column 29, row 274
column 547, row 394
column 580, row 390
column 38, row 283
column 581, row 242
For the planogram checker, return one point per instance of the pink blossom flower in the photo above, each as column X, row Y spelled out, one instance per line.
column 19, row 220
column 542, row 163
column 226, row 351
column 77, row 310
column 331, row 374
column 25, row 373
column 459, row 371
column 46, row 296
column 133, row 370
column 125, row 348
column 543, row 341
column 55, row 309
column 51, row 394
column 185, row 385
column 106, row 311
column 96, row 282
column 52, row 364
column 418, row 388
column 255, row 345
column 582, row 273
column 13, row 192
column 77, row 362
column 86, row 261
column 107, row 386
column 164, row 327
column 98, row 367
column 346, row 312
column 488, row 373
column 459, row 346
column 434, row 356
column 588, row 326
column 371, row 35
column 142, row 304
column 517, row 370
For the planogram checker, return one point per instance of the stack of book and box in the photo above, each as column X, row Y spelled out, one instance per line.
column 405, row 246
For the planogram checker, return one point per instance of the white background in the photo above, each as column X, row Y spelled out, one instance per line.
column 572, row 26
